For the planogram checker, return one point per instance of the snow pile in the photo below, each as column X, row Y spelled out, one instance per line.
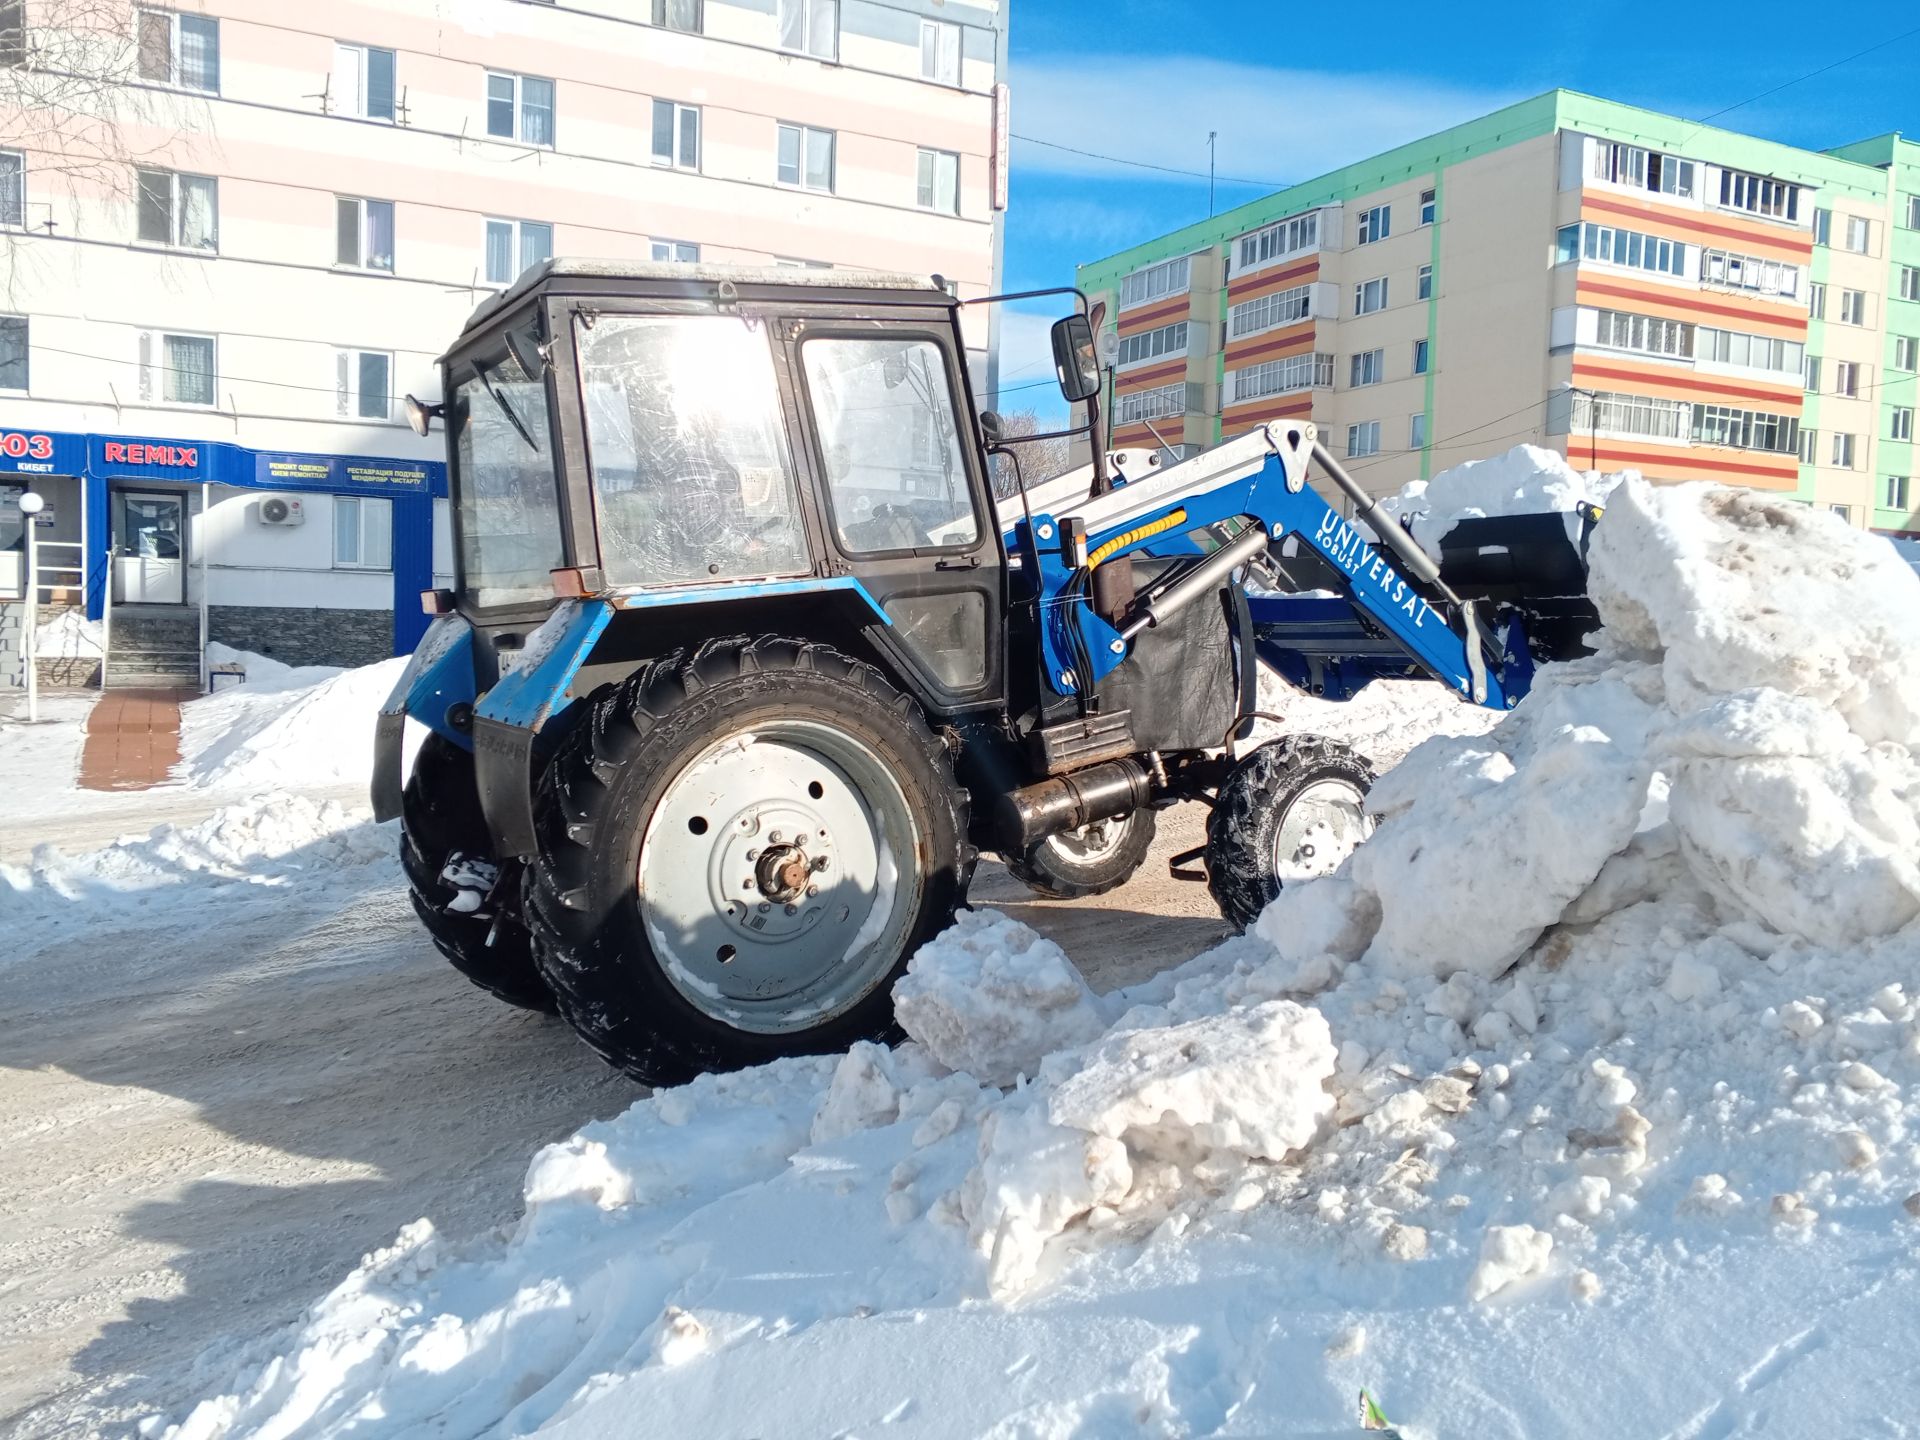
column 69, row 635
column 1621, row 1000
column 291, row 728
column 1527, row 480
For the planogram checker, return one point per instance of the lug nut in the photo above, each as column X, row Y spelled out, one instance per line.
column 812, row 890
column 773, row 837
column 764, row 907
column 753, row 854
column 820, row 862
column 793, row 909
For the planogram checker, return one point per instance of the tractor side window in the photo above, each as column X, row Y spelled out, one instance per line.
column 891, row 443
column 505, row 487
column 690, row 472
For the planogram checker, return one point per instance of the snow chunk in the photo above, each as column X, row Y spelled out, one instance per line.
column 1252, row 1081
column 1527, row 480
column 990, row 997
column 1508, row 1255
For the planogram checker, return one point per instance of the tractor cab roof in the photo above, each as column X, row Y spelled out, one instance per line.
column 676, row 280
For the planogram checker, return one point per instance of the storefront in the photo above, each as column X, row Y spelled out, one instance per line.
column 298, row 549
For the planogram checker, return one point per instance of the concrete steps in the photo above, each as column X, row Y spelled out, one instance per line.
column 154, row 652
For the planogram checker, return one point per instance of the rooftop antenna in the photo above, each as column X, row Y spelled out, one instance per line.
column 1212, row 135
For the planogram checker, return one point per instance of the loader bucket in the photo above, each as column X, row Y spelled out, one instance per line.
column 1536, row 564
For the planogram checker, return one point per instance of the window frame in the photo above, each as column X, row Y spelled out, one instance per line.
column 1366, row 368
column 1141, row 281
column 1360, row 291
column 1900, row 423
column 1300, row 296
column 26, row 354
column 654, row 245
column 176, row 209
column 1909, row 282
column 1906, row 353
column 1846, row 378
column 518, row 133
column 1865, row 226
column 1281, row 240
column 678, row 110
column 359, row 504
column 1429, row 207
column 168, row 370
column 362, row 204
column 1423, row 282
column 804, row 134
column 931, row 183
column 17, row 221
column 1422, row 356
column 1900, row 498
column 938, row 30
column 518, row 260
column 1374, row 225
column 1370, row 429
column 661, row 13
column 1417, row 431
column 1169, row 345
column 176, row 20
column 1853, row 307
column 1845, row 443
column 349, row 367
column 364, row 54
column 806, row 12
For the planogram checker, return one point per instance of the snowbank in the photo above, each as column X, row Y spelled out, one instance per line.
column 1620, row 1001
column 69, row 635
column 285, row 728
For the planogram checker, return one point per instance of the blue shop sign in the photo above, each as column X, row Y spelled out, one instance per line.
column 343, row 474
column 41, row 452
column 201, row 462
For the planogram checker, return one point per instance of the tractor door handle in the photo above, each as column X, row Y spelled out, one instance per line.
column 970, row 562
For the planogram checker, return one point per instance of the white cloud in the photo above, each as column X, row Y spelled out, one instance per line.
column 1276, row 125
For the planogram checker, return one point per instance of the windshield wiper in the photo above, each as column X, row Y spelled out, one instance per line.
column 486, row 381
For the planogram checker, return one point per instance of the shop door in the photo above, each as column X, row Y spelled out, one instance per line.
column 150, row 567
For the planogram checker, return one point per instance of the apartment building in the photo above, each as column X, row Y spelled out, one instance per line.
column 1628, row 288
column 202, row 349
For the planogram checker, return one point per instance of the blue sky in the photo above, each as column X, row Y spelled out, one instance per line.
column 1295, row 91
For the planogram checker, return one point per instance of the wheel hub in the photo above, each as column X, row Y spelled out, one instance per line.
column 782, row 872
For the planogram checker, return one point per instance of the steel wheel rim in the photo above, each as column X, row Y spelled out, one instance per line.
column 1091, row 843
column 1323, row 826
column 756, row 932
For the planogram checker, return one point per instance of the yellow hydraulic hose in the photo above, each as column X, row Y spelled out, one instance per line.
column 1120, row 542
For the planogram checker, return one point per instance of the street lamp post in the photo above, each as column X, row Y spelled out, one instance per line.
column 30, row 507
column 1593, row 422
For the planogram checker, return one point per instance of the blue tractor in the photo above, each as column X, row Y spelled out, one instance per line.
column 747, row 661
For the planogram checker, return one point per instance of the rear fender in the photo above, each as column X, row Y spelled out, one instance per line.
column 509, row 718
column 438, row 676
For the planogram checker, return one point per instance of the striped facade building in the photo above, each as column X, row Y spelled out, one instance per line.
column 1625, row 287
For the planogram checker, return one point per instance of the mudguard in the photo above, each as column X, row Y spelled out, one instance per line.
column 438, row 676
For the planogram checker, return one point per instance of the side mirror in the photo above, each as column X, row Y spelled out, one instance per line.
column 893, row 369
column 991, row 427
column 420, row 415
column 1075, row 362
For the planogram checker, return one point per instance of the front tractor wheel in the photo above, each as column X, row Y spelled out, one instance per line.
column 1289, row 812
column 738, row 853
column 1092, row 860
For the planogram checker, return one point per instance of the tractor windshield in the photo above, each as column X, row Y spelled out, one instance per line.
column 509, row 521
column 691, row 475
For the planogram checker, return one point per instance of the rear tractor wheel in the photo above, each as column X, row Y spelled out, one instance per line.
column 1092, row 860
column 470, row 908
column 1290, row 812
column 738, row 853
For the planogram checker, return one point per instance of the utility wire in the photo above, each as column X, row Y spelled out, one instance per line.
column 1798, row 79
column 1162, row 169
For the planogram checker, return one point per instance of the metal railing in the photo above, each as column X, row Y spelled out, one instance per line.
column 106, row 618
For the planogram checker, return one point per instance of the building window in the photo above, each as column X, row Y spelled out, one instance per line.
column 1417, row 432
column 1901, row 423
column 363, row 233
column 1156, row 404
column 1813, row 374
column 1640, row 415
column 1896, row 492
column 1846, row 377
column 1906, row 351
column 1364, row 438
column 1853, row 307
column 1745, row 429
column 1276, row 242
column 13, row 34
column 186, row 369
column 515, row 247
column 1282, row 377
column 363, row 384
column 1375, row 224
column 1859, row 234
column 1749, row 272
column 1758, row 195
column 810, row 27
column 676, row 135
column 1423, row 284
column 1152, row 344
column 362, row 533
column 1369, row 367
column 1809, row 446
column 676, row 252
column 520, row 107
column 1910, row 282
column 13, row 188
column 363, row 82
column 1643, row 169
column 1845, row 512
column 1823, row 227
column 1429, row 208
column 1282, row 307
column 940, row 52
column 685, row 15
column 1169, row 277
column 1843, row 449
column 806, row 157
column 938, row 182
column 1421, row 351
column 174, row 209
column 181, row 50
column 1369, row 296
column 13, row 352
column 1817, row 300
column 1645, row 334
column 1757, row 352
column 1613, row 246
column 1910, row 211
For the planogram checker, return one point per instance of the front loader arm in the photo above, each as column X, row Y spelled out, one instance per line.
column 1258, row 482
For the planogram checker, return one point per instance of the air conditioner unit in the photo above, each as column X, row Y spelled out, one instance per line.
column 282, row 510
